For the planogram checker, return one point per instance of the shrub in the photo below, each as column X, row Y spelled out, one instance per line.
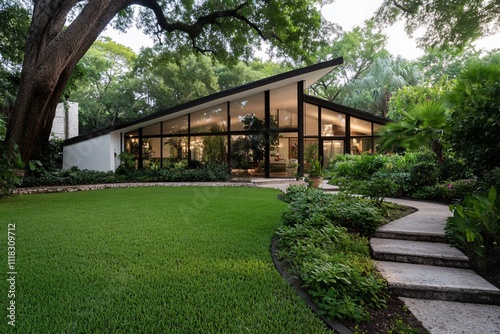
column 475, row 121
column 74, row 176
column 335, row 268
column 8, row 164
column 475, row 225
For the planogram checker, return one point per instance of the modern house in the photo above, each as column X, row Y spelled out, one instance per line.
column 255, row 129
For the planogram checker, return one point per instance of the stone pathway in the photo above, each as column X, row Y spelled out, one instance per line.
column 431, row 277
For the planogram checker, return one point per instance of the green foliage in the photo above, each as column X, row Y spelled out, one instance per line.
column 359, row 48
column 127, row 163
column 347, row 211
column 475, row 225
column 74, row 176
column 385, row 76
column 9, row 164
column 447, row 192
column 404, row 100
column 414, row 174
column 423, row 127
column 14, row 25
column 334, row 265
column 316, row 169
column 446, row 26
column 475, row 121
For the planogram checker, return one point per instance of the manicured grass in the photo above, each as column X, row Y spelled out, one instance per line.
column 150, row 260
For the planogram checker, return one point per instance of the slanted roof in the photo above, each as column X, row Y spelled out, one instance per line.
column 309, row 75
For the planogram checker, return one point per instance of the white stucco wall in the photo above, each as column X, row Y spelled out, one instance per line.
column 59, row 123
column 99, row 153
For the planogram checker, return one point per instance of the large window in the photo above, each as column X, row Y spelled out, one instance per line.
column 176, row 126
column 152, row 130
column 209, row 120
column 246, row 114
column 311, row 120
column 284, row 107
column 175, row 149
column 330, row 149
column 332, row 123
column 360, row 127
column 211, row 149
column 284, row 152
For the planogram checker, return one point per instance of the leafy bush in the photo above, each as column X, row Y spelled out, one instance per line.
column 8, row 164
column 475, row 225
column 447, row 192
column 306, row 204
column 74, row 176
column 475, row 121
column 334, row 266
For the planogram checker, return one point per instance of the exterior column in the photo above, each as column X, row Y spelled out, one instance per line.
column 300, row 123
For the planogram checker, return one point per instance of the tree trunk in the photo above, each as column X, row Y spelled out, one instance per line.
column 52, row 52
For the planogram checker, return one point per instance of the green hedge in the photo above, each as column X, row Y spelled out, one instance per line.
column 74, row 176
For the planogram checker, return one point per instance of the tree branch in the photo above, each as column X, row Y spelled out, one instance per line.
column 404, row 9
column 195, row 29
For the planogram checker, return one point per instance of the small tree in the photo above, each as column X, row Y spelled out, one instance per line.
column 425, row 126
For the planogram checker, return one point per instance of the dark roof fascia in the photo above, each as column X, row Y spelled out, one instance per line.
column 219, row 95
column 88, row 136
column 345, row 109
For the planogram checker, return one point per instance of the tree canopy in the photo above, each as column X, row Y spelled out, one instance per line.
column 447, row 24
column 61, row 32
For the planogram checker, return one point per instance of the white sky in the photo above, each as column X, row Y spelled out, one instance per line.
column 347, row 13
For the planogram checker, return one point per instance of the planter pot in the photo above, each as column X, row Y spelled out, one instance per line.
column 316, row 181
column 291, row 172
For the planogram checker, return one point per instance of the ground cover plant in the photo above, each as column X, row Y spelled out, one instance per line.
column 334, row 265
column 150, row 260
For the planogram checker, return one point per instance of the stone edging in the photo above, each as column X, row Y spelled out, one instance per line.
column 296, row 284
column 63, row 189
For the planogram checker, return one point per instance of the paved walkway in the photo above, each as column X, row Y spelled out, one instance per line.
column 430, row 276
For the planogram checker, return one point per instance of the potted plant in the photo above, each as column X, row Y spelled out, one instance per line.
column 316, row 173
column 291, row 167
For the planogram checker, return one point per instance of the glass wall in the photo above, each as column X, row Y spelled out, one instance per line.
column 283, row 107
column 249, row 146
column 248, row 113
column 248, row 155
column 311, row 116
column 330, row 149
column 176, row 126
column 211, row 120
column 284, row 154
column 332, row 123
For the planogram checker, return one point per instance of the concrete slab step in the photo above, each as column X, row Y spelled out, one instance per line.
column 418, row 252
column 413, row 230
column 442, row 317
column 438, row 283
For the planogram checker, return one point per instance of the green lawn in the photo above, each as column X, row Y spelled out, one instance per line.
column 149, row 260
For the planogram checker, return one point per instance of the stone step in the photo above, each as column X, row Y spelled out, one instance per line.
column 442, row 317
column 408, row 229
column 418, row 252
column 438, row 283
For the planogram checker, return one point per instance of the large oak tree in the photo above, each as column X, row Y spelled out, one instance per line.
column 62, row 31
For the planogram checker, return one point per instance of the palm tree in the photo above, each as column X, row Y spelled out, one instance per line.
column 385, row 76
column 424, row 126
